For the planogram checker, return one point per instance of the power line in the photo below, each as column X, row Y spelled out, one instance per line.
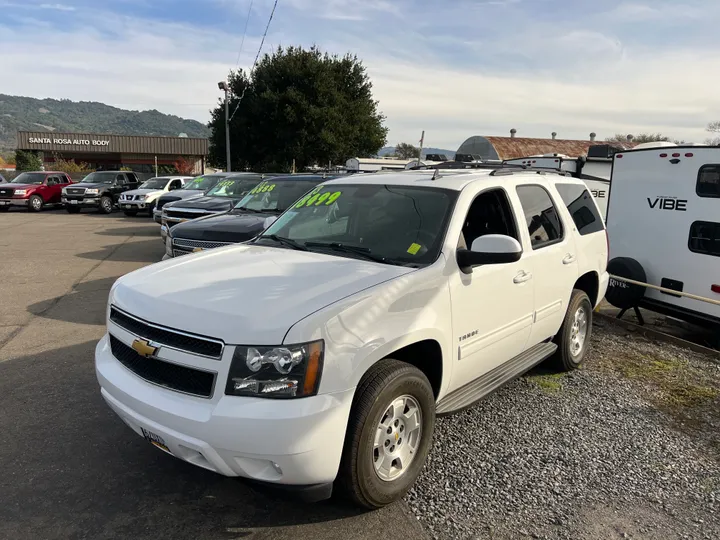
column 257, row 56
column 247, row 20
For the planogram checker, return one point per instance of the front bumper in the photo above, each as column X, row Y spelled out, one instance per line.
column 14, row 202
column 293, row 442
column 85, row 202
column 133, row 205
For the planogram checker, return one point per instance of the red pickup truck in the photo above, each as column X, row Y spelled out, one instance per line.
column 33, row 190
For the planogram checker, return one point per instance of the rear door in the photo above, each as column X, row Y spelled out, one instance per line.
column 553, row 257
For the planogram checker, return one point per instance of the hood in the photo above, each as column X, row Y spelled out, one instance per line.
column 213, row 204
column 223, row 228
column 19, row 186
column 142, row 191
column 180, row 194
column 244, row 294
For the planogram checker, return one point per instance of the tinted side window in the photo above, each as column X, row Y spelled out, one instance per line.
column 708, row 182
column 580, row 204
column 705, row 238
column 541, row 216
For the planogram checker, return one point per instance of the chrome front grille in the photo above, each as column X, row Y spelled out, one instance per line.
column 168, row 337
column 192, row 244
column 75, row 191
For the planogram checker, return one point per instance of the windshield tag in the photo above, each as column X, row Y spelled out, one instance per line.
column 414, row 248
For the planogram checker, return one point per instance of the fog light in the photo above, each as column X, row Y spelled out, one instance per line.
column 276, row 467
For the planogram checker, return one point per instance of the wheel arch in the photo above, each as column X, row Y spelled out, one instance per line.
column 589, row 283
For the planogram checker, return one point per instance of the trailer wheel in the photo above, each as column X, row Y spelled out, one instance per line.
column 621, row 294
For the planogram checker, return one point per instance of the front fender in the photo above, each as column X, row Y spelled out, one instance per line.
column 369, row 326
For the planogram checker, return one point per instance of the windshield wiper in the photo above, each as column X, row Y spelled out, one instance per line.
column 356, row 250
column 284, row 241
column 245, row 209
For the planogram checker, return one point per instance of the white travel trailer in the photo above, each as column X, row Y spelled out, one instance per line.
column 594, row 170
column 361, row 165
column 663, row 224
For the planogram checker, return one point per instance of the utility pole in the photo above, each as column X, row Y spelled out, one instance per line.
column 223, row 85
column 422, row 141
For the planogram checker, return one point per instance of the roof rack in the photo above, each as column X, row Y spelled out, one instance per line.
column 502, row 172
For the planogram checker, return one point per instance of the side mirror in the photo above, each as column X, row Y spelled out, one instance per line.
column 489, row 249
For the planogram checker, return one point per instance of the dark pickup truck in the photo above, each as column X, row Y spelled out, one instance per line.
column 250, row 216
column 100, row 190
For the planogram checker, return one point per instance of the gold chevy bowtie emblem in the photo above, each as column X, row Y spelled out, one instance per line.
column 143, row 348
column 197, row 249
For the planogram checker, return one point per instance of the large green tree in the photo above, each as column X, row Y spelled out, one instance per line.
column 301, row 105
column 28, row 160
column 406, row 151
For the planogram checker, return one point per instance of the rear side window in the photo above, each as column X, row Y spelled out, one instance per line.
column 705, row 238
column 708, row 182
column 582, row 208
column 541, row 216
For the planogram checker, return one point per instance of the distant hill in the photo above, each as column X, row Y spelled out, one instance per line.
column 390, row 149
column 30, row 114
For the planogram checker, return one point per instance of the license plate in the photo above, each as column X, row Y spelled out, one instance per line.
column 155, row 440
column 127, row 205
column 73, row 202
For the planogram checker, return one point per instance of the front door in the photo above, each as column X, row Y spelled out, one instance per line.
column 492, row 308
column 553, row 256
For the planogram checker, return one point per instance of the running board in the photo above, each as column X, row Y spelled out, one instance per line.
column 492, row 380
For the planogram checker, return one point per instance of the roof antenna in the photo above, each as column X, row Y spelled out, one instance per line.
column 436, row 174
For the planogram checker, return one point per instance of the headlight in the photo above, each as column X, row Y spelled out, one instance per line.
column 142, row 197
column 92, row 191
column 282, row 372
column 21, row 192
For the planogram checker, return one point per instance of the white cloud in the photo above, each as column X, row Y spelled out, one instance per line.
column 58, row 7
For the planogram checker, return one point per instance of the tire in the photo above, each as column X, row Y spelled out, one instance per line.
column 72, row 210
column 151, row 209
column 106, row 205
column 619, row 293
column 35, row 203
column 131, row 213
column 573, row 339
column 386, row 384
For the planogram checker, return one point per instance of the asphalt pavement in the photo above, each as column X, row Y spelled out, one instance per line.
column 69, row 468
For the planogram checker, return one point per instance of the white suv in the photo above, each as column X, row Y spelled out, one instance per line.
column 143, row 198
column 319, row 353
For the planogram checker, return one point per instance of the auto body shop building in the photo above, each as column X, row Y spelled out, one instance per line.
column 111, row 152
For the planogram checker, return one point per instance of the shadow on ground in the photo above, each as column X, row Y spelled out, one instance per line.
column 70, row 468
column 144, row 251
column 150, row 229
column 84, row 305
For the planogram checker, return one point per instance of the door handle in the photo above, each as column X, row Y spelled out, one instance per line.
column 569, row 259
column 522, row 277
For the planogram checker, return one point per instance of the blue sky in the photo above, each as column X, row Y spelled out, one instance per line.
column 454, row 69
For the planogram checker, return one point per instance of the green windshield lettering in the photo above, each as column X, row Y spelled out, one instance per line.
column 315, row 198
column 263, row 187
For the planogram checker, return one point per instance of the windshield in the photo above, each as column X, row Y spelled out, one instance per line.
column 203, row 183
column 276, row 195
column 29, row 178
column 233, row 187
column 99, row 178
column 155, row 183
column 401, row 225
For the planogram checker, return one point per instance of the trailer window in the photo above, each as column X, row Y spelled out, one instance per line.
column 705, row 238
column 541, row 216
column 708, row 183
column 582, row 208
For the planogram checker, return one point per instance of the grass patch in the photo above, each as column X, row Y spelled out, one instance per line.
column 672, row 377
column 551, row 383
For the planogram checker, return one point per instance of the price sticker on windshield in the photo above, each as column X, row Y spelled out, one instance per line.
column 315, row 198
column 225, row 183
column 263, row 187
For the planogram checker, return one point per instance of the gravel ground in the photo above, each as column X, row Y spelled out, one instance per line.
column 627, row 447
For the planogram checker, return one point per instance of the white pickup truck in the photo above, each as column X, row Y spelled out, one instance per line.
column 319, row 353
